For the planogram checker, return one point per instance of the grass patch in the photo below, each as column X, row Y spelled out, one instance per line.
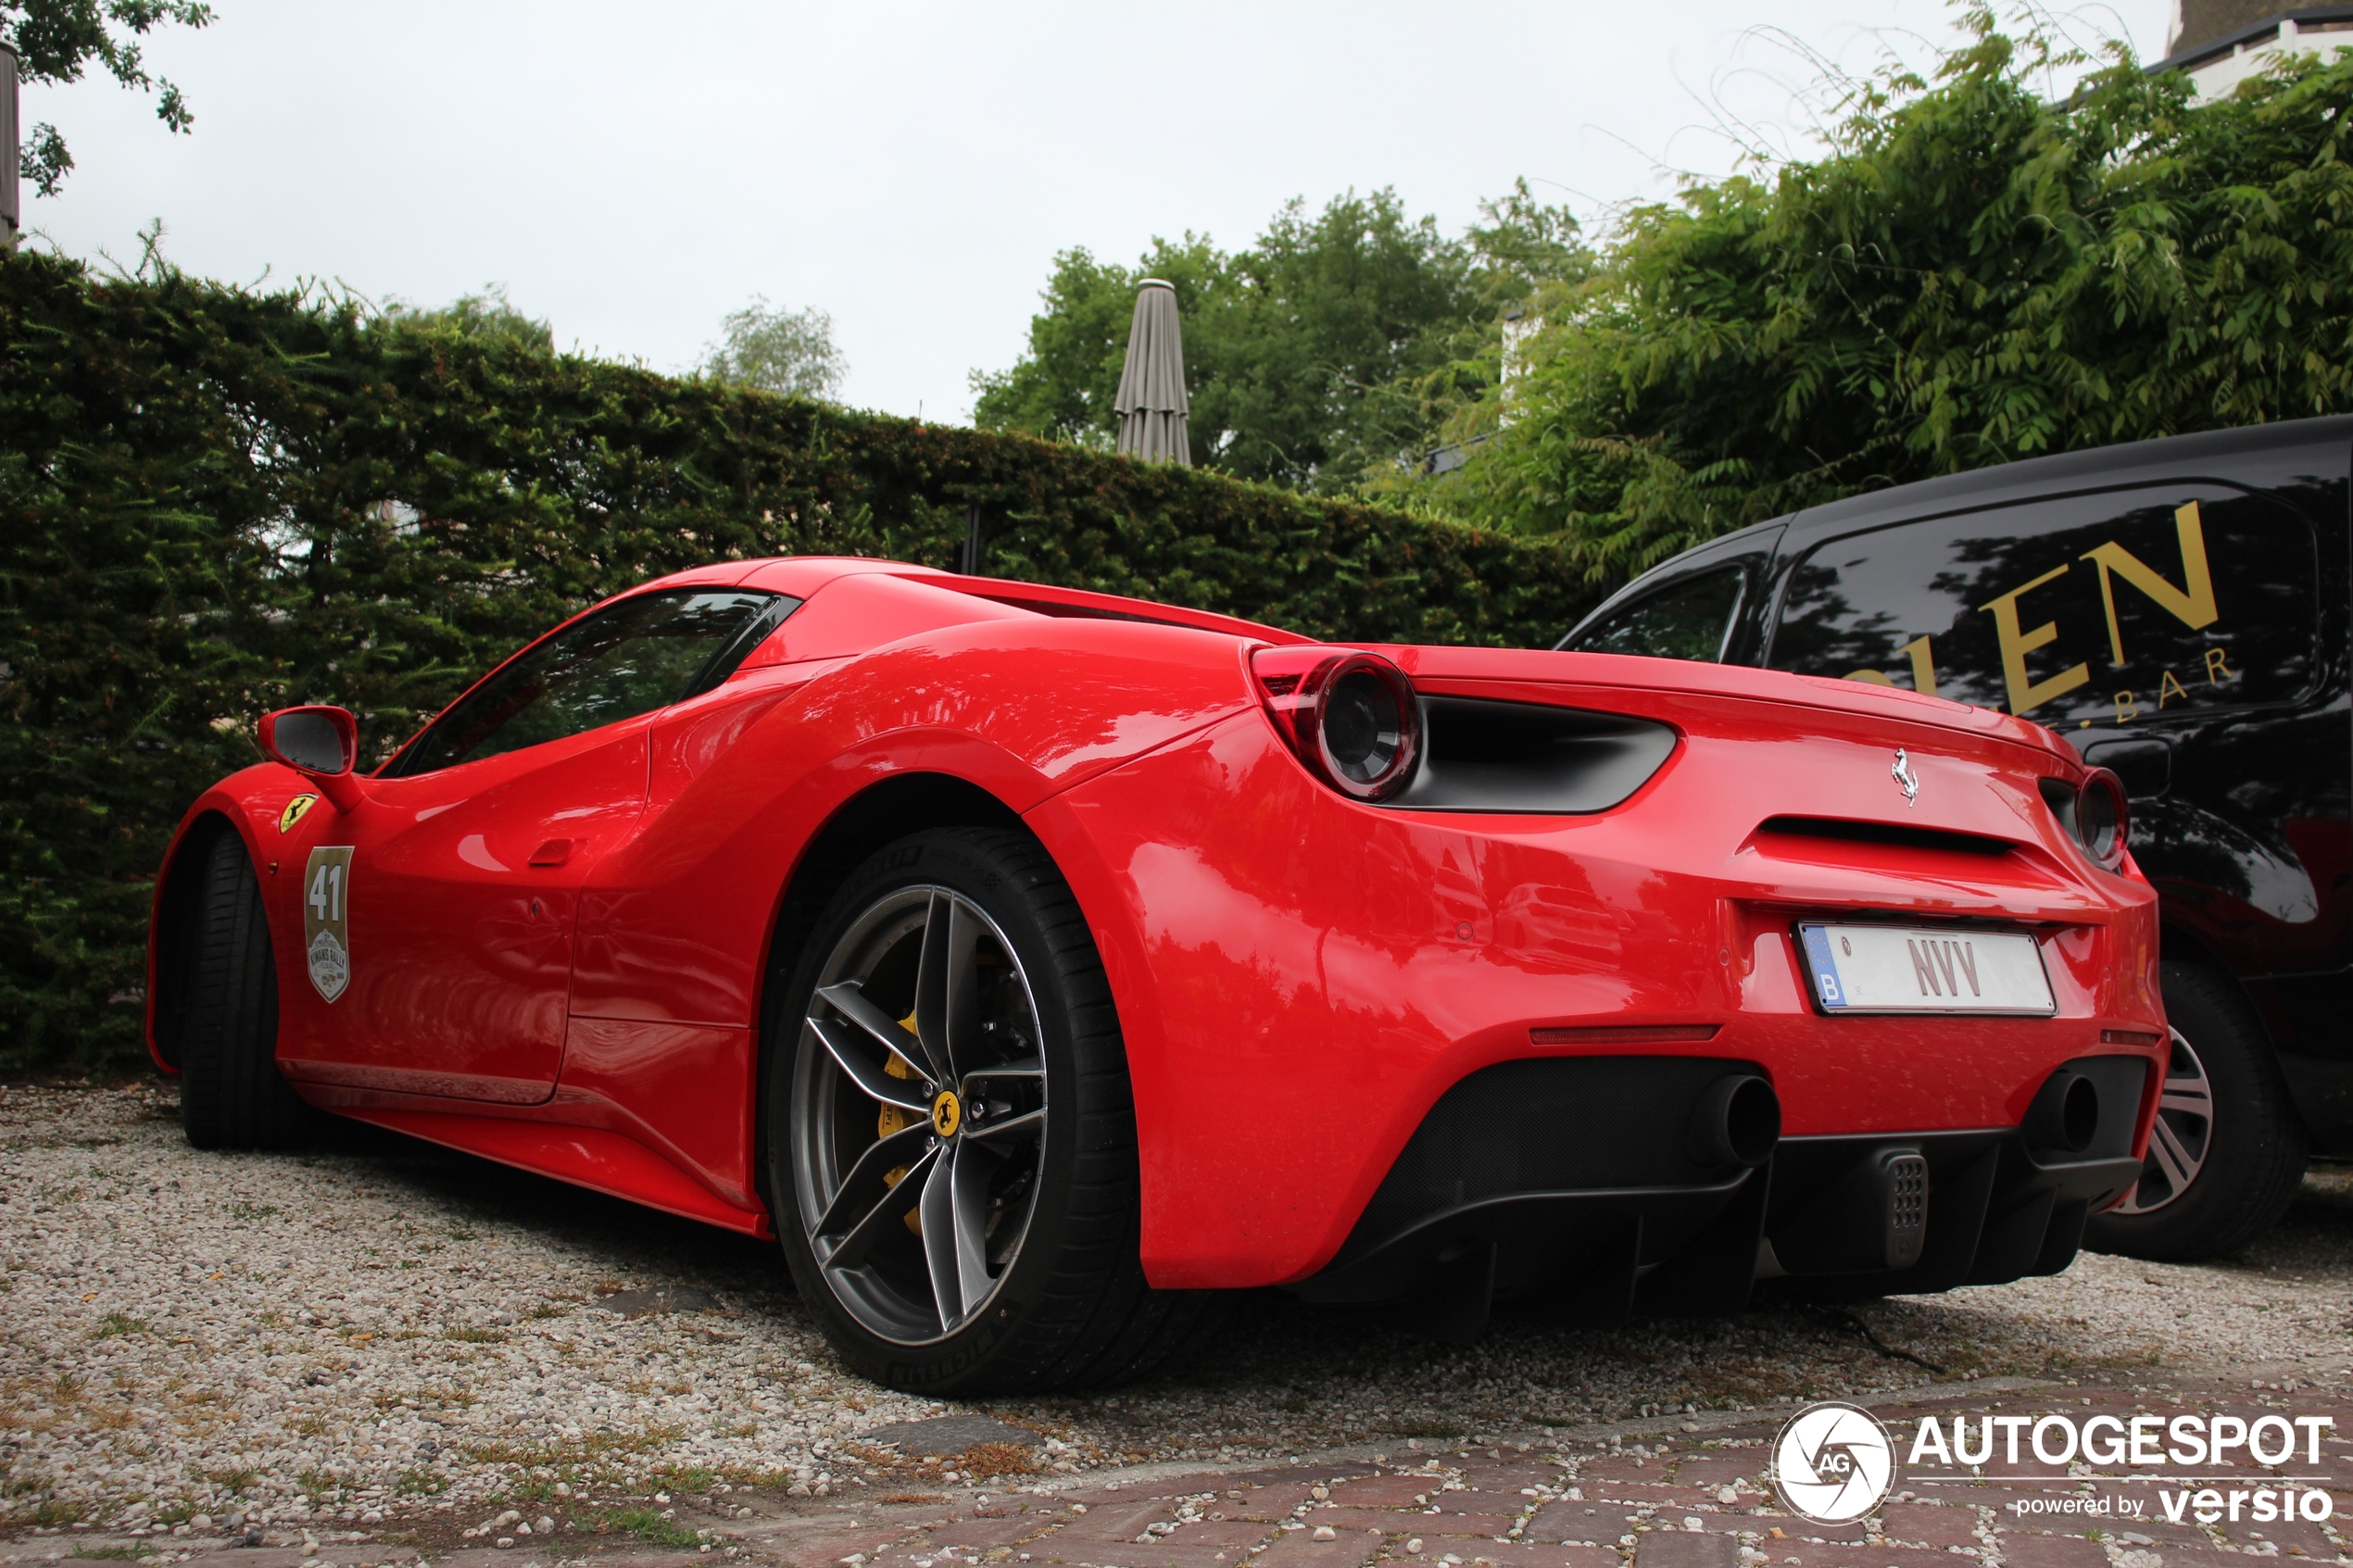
column 115, row 1325
column 689, row 1478
column 744, row 1478
column 651, row 1527
column 470, row 1334
column 233, row 1480
column 988, row 1460
column 241, row 1210
column 565, row 1456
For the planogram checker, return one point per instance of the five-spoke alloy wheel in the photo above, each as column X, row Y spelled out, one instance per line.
column 2178, row 1139
column 2227, row 1153
column 949, row 1136
column 919, row 1120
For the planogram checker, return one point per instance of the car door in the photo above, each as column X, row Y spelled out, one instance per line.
column 453, row 891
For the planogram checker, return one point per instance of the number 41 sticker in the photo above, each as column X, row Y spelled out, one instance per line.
column 326, row 934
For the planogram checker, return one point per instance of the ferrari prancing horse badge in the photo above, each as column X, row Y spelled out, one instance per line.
column 297, row 809
column 326, row 935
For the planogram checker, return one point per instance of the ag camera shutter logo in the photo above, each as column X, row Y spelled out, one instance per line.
column 1833, row 1462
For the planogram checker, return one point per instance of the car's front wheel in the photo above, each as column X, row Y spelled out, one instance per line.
column 2228, row 1151
column 950, row 1140
column 231, row 1094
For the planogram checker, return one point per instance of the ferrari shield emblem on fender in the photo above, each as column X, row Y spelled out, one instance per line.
column 326, row 937
column 297, row 809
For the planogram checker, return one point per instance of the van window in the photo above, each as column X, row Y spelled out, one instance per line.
column 2087, row 610
column 1685, row 621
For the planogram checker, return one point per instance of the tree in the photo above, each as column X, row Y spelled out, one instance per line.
column 790, row 352
column 488, row 315
column 57, row 40
column 1972, row 274
column 1062, row 388
column 1307, row 355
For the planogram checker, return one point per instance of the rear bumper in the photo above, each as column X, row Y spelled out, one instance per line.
column 1570, row 1184
column 1998, row 1208
column 1559, row 1178
column 1300, row 979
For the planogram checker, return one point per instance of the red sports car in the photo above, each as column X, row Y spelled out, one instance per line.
column 1036, row 964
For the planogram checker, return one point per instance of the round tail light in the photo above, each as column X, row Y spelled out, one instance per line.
column 1350, row 717
column 2101, row 821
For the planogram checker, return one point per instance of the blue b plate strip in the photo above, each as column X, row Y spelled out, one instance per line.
column 1823, row 967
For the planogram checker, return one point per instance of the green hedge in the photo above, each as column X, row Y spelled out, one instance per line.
column 213, row 503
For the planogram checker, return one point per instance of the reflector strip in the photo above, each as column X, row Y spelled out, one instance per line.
column 1626, row 1034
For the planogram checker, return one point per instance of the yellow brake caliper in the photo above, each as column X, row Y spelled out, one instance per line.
column 894, row 1119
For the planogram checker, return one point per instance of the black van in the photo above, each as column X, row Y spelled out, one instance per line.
column 2180, row 612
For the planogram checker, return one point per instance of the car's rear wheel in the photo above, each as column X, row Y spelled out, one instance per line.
column 2228, row 1151
column 230, row 1092
column 951, row 1145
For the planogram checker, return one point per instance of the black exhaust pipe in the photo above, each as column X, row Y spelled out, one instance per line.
column 1737, row 1121
column 2065, row 1116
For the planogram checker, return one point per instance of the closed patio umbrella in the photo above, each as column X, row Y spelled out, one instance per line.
column 8, row 211
column 1150, row 402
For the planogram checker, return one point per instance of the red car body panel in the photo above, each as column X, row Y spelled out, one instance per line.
column 1289, row 1032
column 558, row 954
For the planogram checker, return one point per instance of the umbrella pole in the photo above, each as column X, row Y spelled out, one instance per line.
column 971, row 566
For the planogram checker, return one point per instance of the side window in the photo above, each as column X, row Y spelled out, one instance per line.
column 641, row 654
column 2092, row 610
column 1686, row 621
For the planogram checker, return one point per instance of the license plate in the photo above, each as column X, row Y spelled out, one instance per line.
column 1903, row 969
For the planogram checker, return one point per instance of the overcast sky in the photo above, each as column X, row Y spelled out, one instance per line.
column 633, row 173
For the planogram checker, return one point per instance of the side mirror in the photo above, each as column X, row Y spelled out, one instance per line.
column 323, row 744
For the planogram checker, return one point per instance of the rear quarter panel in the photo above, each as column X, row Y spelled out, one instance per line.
column 1299, row 977
column 674, row 926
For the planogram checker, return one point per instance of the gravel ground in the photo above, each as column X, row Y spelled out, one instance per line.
column 390, row 1334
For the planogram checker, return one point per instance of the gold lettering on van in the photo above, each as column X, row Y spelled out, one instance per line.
column 2026, row 694
column 2192, row 604
column 2216, row 672
column 1923, row 668
column 2169, row 688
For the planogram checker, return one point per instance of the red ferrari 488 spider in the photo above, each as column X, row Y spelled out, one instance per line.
column 1036, row 964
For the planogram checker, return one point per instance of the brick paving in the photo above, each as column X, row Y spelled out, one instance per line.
column 363, row 1356
column 1661, row 1494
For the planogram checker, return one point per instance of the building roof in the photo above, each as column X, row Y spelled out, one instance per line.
column 2208, row 30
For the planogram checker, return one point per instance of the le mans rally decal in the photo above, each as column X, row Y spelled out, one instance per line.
column 326, row 937
column 297, row 809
